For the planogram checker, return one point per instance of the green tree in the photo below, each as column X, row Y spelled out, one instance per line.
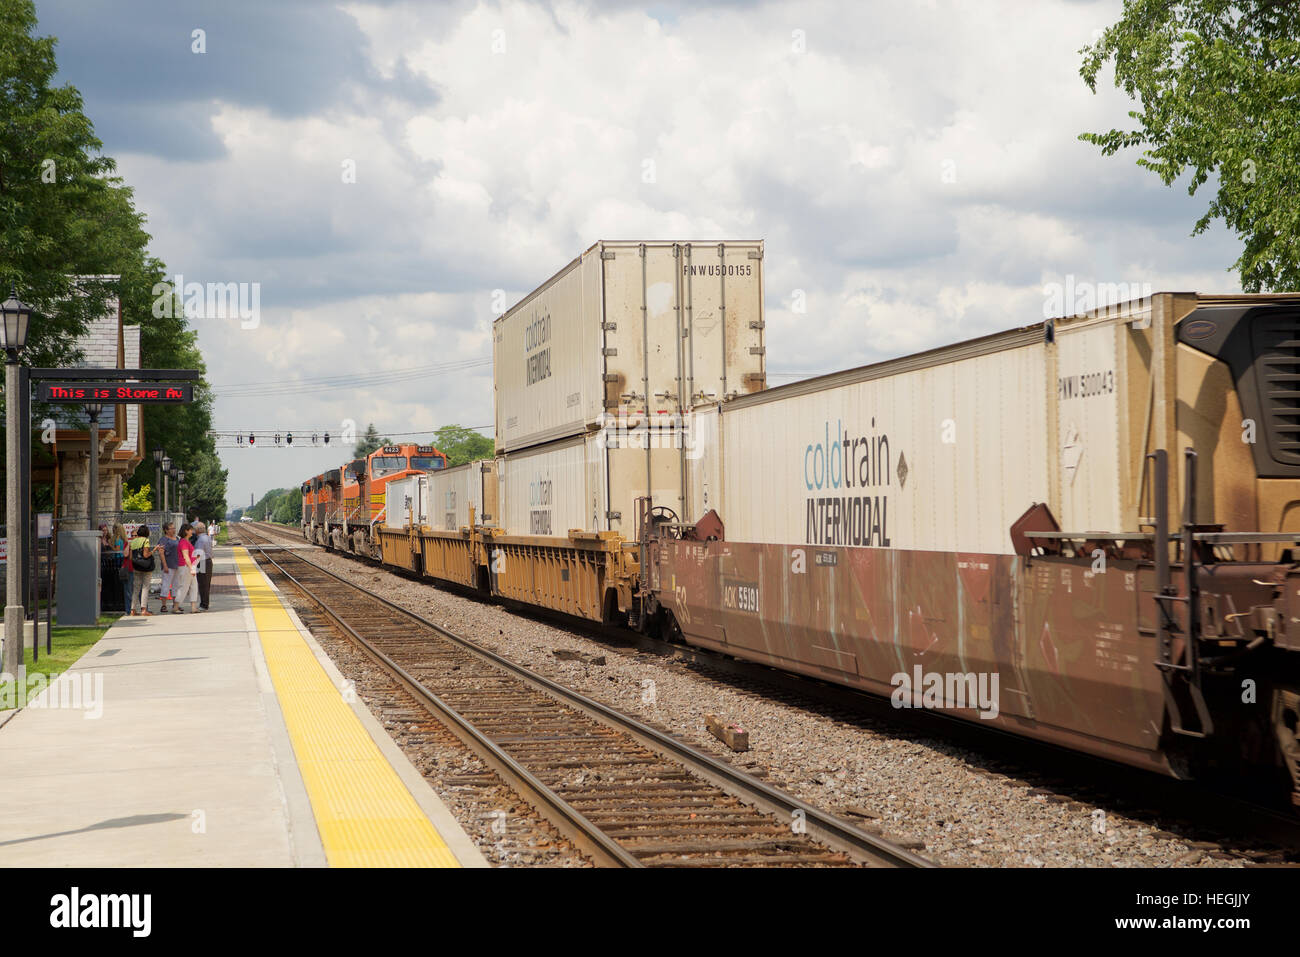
column 168, row 342
column 462, row 445
column 1218, row 83
column 205, row 489
column 369, row 442
column 139, row 501
column 288, row 508
column 264, row 508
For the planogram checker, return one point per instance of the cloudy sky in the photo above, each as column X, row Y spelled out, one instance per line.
column 379, row 169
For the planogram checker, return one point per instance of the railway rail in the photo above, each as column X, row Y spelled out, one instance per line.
column 625, row 793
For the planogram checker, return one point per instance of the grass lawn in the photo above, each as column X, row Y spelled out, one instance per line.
column 223, row 536
column 67, row 645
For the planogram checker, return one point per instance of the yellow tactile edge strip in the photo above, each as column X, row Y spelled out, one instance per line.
column 364, row 813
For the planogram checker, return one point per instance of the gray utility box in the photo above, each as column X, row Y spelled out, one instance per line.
column 78, row 589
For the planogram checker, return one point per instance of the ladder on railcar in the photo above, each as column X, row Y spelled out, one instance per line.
column 1182, row 679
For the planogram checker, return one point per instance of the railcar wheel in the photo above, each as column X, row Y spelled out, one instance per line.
column 1286, row 725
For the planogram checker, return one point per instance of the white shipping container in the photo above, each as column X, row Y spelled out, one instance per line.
column 406, row 502
column 943, row 454
column 589, row 483
column 452, row 492
column 629, row 327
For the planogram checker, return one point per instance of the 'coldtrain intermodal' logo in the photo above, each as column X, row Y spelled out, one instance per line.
column 837, row 469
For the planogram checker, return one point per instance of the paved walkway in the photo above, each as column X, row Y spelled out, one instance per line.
column 167, row 744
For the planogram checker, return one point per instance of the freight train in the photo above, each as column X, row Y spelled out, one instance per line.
column 1081, row 530
column 347, row 503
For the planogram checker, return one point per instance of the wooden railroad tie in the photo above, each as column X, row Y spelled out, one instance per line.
column 728, row 732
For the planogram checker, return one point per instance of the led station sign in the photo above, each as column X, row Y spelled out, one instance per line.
column 110, row 393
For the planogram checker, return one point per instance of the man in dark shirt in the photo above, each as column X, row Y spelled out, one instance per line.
column 170, row 551
column 203, row 545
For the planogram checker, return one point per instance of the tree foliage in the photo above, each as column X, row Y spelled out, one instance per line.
column 462, row 445
column 1218, row 84
column 369, row 442
column 168, row 342
column 278, row 505
column 141, row 500
column 205, row 489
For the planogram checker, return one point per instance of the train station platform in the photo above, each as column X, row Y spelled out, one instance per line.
column 222, row 739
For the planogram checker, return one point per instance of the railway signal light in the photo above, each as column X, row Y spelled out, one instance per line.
column 327, row 438
column 252, row 439
column 289, row 438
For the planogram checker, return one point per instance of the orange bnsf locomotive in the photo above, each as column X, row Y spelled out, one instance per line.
column 342, row 507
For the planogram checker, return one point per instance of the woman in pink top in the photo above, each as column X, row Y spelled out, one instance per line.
column 188, row 589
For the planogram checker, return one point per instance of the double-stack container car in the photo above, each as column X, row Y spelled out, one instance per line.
column 1091, row 519
column 594, row 374
column 432, row 531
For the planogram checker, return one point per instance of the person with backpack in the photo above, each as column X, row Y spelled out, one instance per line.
column 142, row 565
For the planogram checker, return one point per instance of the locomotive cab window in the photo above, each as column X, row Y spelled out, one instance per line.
column 428, row 463
column 382, row 465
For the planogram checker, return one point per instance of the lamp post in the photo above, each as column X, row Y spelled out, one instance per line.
column 92, row 504
column 171, row 475
column 14, row 319
column 158, row 454
column 166, row 470
column 180, row 492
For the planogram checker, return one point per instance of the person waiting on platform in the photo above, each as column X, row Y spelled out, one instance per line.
column 142, row 565
column 119, row 539
column 169, row 552
column 188, row 590
column 203, row 545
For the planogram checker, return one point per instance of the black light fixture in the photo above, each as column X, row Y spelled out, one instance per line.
column 180, row 476
column 93, row 409
column 158, row 454
column 17, row 316
column 289, row 439
column 252, row 439
column 167, row 464
column 327, row 438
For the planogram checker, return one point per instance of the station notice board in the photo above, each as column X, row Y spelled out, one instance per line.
column 117, row 392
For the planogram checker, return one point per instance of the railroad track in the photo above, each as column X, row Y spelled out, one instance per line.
column 626, row 794
column 1233, row 824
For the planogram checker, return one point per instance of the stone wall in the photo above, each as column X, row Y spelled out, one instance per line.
column 73, row 490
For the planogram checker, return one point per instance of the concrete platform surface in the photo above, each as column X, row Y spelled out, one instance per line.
column 167, row 745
